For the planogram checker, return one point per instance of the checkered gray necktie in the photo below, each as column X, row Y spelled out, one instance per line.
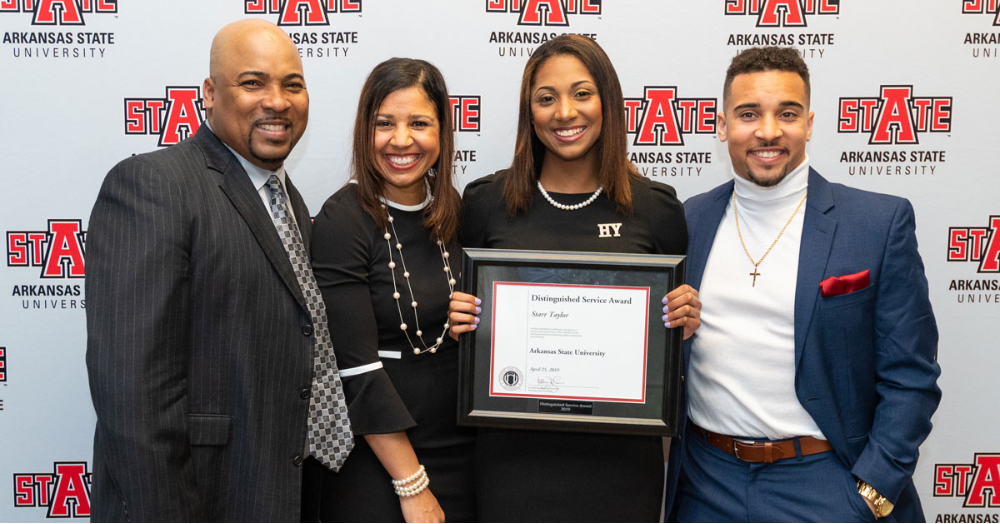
column 330, row 438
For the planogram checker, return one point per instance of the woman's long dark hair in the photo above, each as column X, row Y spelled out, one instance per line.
column 614, row 168
column 441, row 215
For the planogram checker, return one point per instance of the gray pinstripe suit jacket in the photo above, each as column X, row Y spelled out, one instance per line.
column 199, row 347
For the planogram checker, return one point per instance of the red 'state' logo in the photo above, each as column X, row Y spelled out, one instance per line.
column 65, row 491
column 544, row 12
column 59, row 251
column 896, row 116
column 782, row 13
column 173, row 118
column 991, row 7
column 977, row 483
column 976, row 244
column 301, row 12
column 465, row 112
column 58, row 12
column 661, row 118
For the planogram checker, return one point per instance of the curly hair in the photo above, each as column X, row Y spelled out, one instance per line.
column 760, row 59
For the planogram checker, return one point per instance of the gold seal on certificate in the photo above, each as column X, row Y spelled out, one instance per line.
column 571, row 342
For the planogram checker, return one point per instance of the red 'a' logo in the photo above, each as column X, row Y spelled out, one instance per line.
column 896, row 117
column 465, row 112
column 58, row 12
column 173, row 118
column 58, row 251
column 68, row 13
column 983, row 6
column 66, row 492
column 978, row 483
column 976, row 244
column 661, row 118
column 544, row 12
column 782, row 13
column 301, row 12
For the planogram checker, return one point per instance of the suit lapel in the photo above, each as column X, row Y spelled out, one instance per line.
column 702, row 228
column 814, row 252
column 702, row 235
column 244, row 197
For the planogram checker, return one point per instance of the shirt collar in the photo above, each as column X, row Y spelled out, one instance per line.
column 405, row 207
column 258, row 175
column 414, row 207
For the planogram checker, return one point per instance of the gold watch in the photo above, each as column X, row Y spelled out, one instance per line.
column 882, row 505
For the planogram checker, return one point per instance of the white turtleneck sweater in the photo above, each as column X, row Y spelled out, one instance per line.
column 741, row 378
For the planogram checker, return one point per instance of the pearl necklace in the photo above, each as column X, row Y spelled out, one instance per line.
column 564, row 207
column 406, row 276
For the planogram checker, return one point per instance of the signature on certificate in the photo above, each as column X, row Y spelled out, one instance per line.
column 549, row 383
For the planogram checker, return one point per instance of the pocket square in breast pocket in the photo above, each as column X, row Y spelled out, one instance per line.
column 843, row 285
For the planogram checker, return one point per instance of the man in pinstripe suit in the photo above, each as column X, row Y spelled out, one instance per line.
column 200, row 347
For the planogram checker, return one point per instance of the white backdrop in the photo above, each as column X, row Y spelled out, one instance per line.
column 904, row 94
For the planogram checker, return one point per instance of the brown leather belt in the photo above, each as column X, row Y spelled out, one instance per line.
column 768, row 451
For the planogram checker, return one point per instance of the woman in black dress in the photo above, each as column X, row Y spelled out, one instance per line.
column 380, row 251
column 570, row 175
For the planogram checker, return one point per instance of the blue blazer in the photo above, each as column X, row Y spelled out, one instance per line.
column 865, row 362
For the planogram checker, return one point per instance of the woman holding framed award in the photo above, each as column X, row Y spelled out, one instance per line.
column 571, row 187
column 378, row 250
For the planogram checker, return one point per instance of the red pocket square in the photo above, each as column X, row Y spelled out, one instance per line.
column 834, row 286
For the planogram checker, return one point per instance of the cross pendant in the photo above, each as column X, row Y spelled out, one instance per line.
column 755, row 274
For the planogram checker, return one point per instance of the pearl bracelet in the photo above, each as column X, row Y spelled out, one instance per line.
column 411, row 478
column 414, row 489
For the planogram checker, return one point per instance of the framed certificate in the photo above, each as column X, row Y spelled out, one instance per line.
column 570, row 341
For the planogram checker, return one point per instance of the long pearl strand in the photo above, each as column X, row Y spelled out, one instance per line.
column 406, row 276
column 564, row 207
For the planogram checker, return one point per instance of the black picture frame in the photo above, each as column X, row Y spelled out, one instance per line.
column 658, row 414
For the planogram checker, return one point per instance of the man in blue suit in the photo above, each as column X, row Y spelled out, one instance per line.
column 811, row 383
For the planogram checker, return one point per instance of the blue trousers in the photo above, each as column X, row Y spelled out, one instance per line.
column 715, row 486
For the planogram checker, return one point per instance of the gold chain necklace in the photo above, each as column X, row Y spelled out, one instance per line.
column 736, row 213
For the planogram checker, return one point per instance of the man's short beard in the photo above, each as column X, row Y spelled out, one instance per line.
column 276, row 161
column 273, row 160
column 761, row 182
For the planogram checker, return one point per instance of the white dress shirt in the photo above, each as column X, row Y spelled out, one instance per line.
column 259, row 177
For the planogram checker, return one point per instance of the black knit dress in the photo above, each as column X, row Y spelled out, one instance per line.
column 389, row 388
column 526, row 476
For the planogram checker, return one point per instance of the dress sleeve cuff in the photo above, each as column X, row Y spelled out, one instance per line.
column 373, row 404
